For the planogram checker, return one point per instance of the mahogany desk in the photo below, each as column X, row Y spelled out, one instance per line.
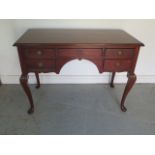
column 47, row 50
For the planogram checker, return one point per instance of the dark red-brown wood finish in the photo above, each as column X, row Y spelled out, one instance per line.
column 47, row 50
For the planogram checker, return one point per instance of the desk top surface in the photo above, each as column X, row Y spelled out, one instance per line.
column 77, row 36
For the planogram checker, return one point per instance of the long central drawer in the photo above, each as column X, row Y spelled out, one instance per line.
column 80, row 53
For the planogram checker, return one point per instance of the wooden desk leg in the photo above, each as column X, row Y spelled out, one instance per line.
column 129, row 85
column 112, row 80
column 38, row 81
column 24, row 83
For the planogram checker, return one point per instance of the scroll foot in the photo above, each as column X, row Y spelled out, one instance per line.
column 123, row 108
column 112, row 85
column 37, row 86
column 31, row 110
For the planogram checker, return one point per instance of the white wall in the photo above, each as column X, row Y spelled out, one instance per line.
column 77, row 71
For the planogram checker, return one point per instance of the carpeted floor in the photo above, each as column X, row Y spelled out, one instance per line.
column 77, row 109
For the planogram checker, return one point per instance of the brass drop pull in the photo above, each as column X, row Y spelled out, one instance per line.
column 118, row 64
column 39, row 52
column 40, row 65
column 120, row 53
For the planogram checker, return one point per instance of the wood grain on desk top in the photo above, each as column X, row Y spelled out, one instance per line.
column 77, row 36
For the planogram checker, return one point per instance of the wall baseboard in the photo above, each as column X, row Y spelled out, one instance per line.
column 76, row 79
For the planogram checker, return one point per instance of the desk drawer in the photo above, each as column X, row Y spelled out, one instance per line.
column 80, row 53
column 39, row 53
column 117, row 65
column 119, row 53
column 40, row 65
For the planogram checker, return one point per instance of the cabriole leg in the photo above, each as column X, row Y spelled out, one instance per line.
column 129, row 85
column 38, row 81
column 112, row 80
column 24, row 83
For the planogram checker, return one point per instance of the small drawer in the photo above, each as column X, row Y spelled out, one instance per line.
column 117, row 65
column 39, row 53
column 119, row 53
column 40, row 65
column 80, row 53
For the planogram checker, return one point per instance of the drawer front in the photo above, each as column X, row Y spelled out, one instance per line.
column 119, row 53
column 80, row 53
column 40, row 65
column 117, row 65
column 39, row 53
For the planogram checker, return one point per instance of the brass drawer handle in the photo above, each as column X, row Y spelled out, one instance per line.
column 120, row 52
column 40, row 64
column 118, row 64
column 39, row 52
